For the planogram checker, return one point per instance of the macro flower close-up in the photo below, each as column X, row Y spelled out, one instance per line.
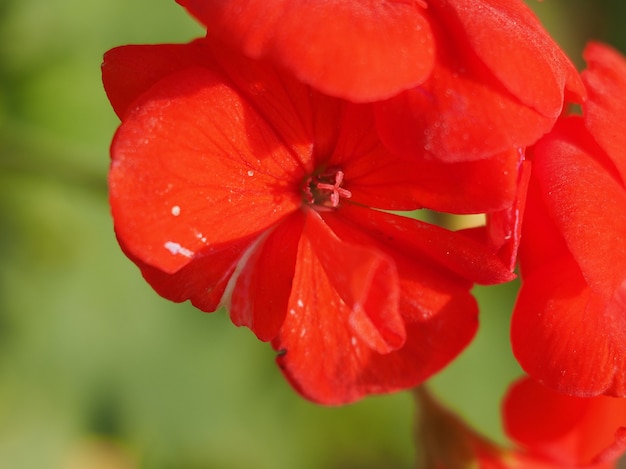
column 313, row 234
column 255, row 192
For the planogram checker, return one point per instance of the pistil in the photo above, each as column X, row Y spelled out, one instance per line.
column 326, row 189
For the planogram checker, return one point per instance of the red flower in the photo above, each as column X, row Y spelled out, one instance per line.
column 466, row 79
column 234, row 184
column 569, row 324
column 565, row 431
column 549, row 430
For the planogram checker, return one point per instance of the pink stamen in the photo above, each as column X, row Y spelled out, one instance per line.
column 335, row 189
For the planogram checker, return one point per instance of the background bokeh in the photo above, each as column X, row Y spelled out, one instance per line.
column 97, row 371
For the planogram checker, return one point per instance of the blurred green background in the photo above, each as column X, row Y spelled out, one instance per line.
column 97, row 371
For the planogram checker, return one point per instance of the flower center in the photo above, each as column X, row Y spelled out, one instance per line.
column 324, row 188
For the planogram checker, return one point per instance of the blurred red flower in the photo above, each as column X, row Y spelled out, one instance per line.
column 456, row 80
column 549, row 430
column 569, row 323
column 562, row 430
column 234, row 184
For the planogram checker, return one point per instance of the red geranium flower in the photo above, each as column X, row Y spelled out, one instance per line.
column 468, row 79
column 565, row 431
column 569, row 324
column 549, row 430
column 234, row 184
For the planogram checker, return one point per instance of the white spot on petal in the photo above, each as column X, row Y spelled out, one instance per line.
column 175, row 210
column 300, row 303
column 200, row 236
column 250, row 173
column 176, row 248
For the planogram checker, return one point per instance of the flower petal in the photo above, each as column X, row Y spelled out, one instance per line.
column 430, row 245
column 605, row 110
column 377, row 178
column 504, row 227
column 374, row 177
column 366, row 281
column 455, row 116
column 586, row 203
column 541, row 241
column 466, row 187
column 498, row 83
column 566, row 335
column 260, row 297
column 301, row 117
column 203, row 280
column 507, row 37
column 129, row 71
column 190, row 153
column 570, row 431
column 328, row 356
column 362, row 51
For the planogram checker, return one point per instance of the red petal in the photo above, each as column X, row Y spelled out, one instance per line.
column 328, row 357
column 366, row 281
column 478, row 101
column 189, row 172
column 375, row 177
column 379, row 179
column 569, row 431
column 605, row 110
column 485, row 185
column 299, row 115
column 587, row 204
column 362, row 51
column 129, row 71
column 504, row 228
column 508, row 38
column 541, row 241
column 427, row 244
column 567, row 336
column 260, row 297
column 455, row 116
column 203, row 280
column 302, row 118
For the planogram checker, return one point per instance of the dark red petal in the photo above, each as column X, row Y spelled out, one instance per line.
column 361, row 51
column 507, row 37
column 568, row 337
column 129, row 71
column 193, row 167
column 329, row 360
column 570, row 431
column 431, row 245
column 586, row 203
column 263, row 280
column 605, row 110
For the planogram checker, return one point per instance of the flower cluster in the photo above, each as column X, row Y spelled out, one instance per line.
column 268, row 167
